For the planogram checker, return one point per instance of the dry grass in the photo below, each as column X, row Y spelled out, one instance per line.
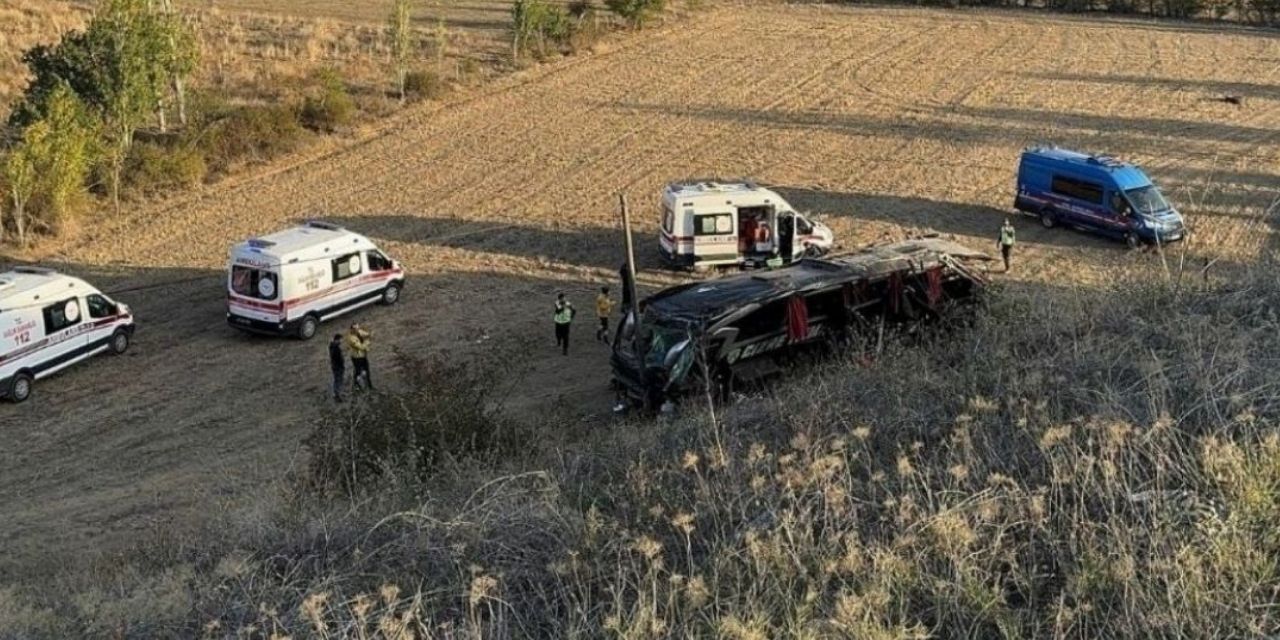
column 880, row 119
column 1100, row 464
column 255, row 51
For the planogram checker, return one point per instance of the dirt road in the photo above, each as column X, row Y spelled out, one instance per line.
column 880, row 120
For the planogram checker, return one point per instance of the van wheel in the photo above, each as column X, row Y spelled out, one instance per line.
column 1047, row 219
column 119, row 342
column 391, row 294
column 20, row 387
column 1132, row 240
column 308, row 327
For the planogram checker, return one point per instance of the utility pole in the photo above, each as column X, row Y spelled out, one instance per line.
column 630, row 284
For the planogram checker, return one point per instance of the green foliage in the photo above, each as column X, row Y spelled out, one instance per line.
column 446, row 415
column 120, row 66
column 328, row 105
column 48, row 169
column 401, row 40
column 153, row 168
column 425, row 85
column 537, row 26
column 229, row 135
column 636, row 12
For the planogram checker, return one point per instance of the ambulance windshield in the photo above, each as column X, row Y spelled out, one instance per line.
column 254, row 283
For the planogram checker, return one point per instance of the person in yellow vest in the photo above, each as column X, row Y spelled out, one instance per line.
column 1005, row 244
column 604, row 307
column 563, row 318
column 358, row 346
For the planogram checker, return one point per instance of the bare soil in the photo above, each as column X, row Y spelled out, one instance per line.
column 882, row 121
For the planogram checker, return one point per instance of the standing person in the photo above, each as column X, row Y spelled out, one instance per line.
column 764, row 238
column 604, row 306
column 563, row 318
column 1007, row 237
column 337, row 365
column 358, row 344
column 625, row 274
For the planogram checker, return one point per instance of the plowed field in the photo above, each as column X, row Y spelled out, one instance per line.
column 880, row 120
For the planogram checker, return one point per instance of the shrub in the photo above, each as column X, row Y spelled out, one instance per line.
column 636, row 12
column 446, row 414
column 424, row 85
column 231, row 135
column 536, row 25
column 153, row 168
column 328, row 105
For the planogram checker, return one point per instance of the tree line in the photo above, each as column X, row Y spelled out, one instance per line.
column 1260, row 12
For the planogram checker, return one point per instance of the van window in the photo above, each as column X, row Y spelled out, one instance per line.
column 1148, row 200
column 253, row 283
column 668, row 219
column 715, row 224
column 378, row 261
column 99, row 307
column 803, row 227
column 1078, row 189
column 346, row 267
column 60, row 315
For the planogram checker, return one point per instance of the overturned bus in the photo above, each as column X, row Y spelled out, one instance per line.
column 745, row 326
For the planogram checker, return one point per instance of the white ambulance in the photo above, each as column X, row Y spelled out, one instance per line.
column 50, row 321
column 291, row 281
column 709, row 223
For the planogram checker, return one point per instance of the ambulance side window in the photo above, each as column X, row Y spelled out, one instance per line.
column 346, row 267
column 99, row 307
column 713, row 224
column 60, row 315
column 378, row 262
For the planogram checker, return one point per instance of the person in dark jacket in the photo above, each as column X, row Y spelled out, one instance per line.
column 338, row 365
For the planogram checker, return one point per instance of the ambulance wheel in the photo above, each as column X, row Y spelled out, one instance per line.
column 119, row 342
column 1131, row 239
column 391, row 294
column 1047, row 219
column 20, row 387
column 308, row 327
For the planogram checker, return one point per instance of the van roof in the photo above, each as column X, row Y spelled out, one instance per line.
column 745, row 192
column 309, row 236
column 1125, row 174
column 30, row 285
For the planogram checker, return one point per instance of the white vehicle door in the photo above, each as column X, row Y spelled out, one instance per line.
column 64, row 325
column 254, row 293
column 103, row 319
column 715, row 237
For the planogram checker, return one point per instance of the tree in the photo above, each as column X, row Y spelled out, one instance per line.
column 20, row 177
column 401, row 40
column 122, row 66
column 50, row 166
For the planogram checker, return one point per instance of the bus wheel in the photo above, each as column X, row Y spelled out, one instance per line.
column 20, row 387
column 119, row 342
column 391, row 294
column 1132, row 240
column 1046, row 219
column 308, row 327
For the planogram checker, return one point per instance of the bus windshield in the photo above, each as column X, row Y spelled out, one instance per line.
column 1147, row 200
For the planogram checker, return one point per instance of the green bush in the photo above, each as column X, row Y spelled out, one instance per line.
column 231, row 135
column 636, row 12
column 328, row 106
column 424, row 85
column 539, row 27
column 153, row 168
column 446, row 414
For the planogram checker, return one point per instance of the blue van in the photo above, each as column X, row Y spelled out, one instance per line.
column 1095, row 193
